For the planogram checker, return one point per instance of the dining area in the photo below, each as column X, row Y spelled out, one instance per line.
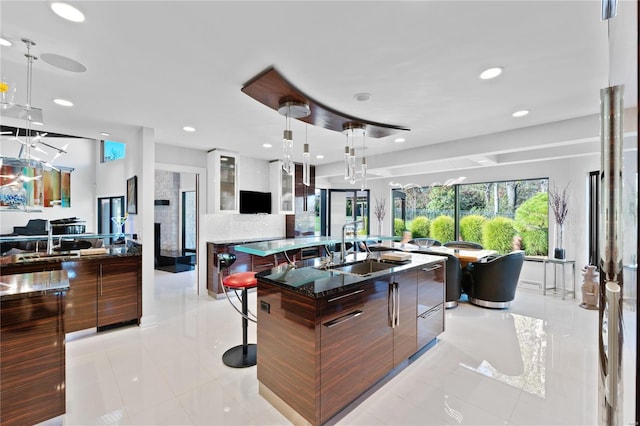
column 481, row 276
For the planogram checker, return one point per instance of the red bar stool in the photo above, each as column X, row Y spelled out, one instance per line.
column 242, row 355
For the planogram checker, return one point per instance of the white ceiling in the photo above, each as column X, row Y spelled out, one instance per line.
column 168, row 64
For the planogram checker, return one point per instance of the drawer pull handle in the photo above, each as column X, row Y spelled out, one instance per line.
column 343, row 318
column 346, row 295
column 431, row 313
column 433, row 268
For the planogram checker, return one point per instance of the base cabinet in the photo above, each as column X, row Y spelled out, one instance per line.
column 82, row 298
column 319, row 355
column 118, row 291
column 32, row 359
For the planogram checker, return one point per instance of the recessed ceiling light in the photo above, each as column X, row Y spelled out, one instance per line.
column 63, row 102
column 266, row 145
column 105, row 134
column 66, row 11
column 5, row 42
column 319, row 156
column 521, row 113
column 362, row 97
column 189, row 129
column 398, row 140
column 491, row 73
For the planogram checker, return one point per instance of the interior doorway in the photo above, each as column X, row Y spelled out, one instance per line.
column 177, row 210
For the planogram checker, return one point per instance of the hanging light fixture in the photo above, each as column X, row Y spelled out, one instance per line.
column 363, row 169
column 290, row 109
column 306, row 161
column 351, row 129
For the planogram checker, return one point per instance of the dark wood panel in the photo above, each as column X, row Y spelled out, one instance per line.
column 271, row 89
column 82, row 304
column 33, row 403
column 32, row 359
column 404, row 334
column 288, row 356
column 118, row 291
column 356, row 345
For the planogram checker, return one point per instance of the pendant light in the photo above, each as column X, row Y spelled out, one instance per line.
column 363, row 169
column 306, row 160
column 290, row 109
column 351, row 129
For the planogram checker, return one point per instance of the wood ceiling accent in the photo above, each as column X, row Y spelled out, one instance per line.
column 271, row 89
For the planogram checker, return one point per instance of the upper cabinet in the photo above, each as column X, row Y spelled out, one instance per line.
column 225, row 181
column 282, row 189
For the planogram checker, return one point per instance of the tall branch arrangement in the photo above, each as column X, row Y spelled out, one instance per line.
column 559, row 203
column 380, row 208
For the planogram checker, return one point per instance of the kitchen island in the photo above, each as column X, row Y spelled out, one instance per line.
column 327, row 333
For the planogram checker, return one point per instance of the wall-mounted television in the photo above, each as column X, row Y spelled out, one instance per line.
column 252, row 202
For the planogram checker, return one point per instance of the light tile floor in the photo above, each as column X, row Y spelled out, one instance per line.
column 533, row 364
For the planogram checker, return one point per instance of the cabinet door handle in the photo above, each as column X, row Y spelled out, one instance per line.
column 391, row 306
column 433, row 268
column 431, row 312
column 346, row 295
column 343, row 318
column 101, row 279
column 397, row 304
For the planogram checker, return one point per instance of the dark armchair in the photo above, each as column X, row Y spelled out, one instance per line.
column 493, row 284
column 464, row 245
column 453, row 278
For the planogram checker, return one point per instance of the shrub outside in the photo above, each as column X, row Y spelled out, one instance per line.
column 532, row 223
column 498, row 233
column 443, row 229
column 471, row 227
column 420, row 227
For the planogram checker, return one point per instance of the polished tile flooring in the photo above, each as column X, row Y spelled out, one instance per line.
column 533, row 364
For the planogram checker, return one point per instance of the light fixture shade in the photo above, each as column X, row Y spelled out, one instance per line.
column 352, row 166
column 347, row 168
column 364, row 173
column 287, row 152
column 306, row 166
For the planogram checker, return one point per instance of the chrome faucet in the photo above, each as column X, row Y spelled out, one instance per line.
column 343, row 251
column 49, row 238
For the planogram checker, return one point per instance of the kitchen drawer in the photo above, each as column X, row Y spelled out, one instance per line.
column 430, row 325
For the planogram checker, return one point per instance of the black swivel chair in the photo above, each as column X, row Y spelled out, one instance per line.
column 492, row 284
column 453, row 278
column 464, row 245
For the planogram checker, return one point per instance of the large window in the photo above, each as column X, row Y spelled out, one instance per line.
column 499, row 215
column 111, row 151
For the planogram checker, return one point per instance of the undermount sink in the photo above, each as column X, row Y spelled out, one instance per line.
column 363, row 268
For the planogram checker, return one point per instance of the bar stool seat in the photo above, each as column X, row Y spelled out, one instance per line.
column 241, row 280
column 243, row 355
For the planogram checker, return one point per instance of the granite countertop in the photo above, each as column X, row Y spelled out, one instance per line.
column 307, row 279
column 30, row 284
column 39, row 258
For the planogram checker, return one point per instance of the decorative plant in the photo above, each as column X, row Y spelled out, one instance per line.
column 559, row 202
column 560, row 205
column 380, row 211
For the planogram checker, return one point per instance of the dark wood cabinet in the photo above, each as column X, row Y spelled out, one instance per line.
column 81, row 300
column 32, row 359
column 405, row 329
column 355, row 345
column 320, row 354
column 118, row 291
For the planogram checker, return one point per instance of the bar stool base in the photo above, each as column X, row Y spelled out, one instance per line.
column 235, row 358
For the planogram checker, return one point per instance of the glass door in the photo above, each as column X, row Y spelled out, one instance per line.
column 109, row 207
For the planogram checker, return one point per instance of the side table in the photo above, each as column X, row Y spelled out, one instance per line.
column 563, row 263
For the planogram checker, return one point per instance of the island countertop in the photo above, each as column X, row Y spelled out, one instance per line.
column 312, row 281
column 29, row 284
